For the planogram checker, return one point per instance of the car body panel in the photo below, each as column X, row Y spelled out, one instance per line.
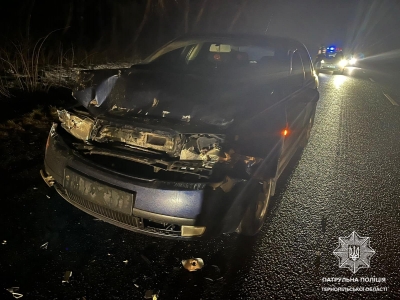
column 152, row 149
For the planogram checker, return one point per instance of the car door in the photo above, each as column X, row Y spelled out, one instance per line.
column 296, row 108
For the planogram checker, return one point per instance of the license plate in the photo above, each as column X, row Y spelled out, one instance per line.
column 98, row 192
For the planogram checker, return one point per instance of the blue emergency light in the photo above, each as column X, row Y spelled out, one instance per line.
column 331, row 48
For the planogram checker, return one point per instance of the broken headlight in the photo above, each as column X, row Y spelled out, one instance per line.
column 79, row 127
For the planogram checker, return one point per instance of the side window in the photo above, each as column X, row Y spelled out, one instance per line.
column 305, row 57
column 297, row 72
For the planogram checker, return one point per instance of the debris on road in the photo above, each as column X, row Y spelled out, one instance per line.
column 67, row 276
column 151, row 295
column 148, row 294
column 44, row 246
column 212, row 273
column 13, row 291
column 48, row 197
column 125, row 261
column 193, row 264
column 145, row 259
column 4, row 242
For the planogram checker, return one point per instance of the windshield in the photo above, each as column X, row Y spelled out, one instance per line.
column 212, row 57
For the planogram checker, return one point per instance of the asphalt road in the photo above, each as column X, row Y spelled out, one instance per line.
column 347, row 179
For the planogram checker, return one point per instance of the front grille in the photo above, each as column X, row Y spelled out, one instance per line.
column 119, row 219
column 180, row 171
column 105, row 212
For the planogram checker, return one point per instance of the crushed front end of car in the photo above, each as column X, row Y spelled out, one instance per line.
column 145, row 151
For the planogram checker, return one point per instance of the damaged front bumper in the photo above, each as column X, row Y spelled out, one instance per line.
column 170, row 209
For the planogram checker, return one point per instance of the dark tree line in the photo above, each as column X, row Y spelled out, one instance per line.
column 122, row 27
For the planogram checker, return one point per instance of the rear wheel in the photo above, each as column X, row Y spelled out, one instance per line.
column 256, row 212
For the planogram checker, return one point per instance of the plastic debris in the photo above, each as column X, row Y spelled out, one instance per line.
column 145, row 259
column 148, row 294
column 125, row 261
column 212, row 273
column 136, row 285
column 13, row 290
column 4, row 242
column 67, row 276
column 151, row 295
column 48, row 197
column 193, row 264
column 44, row 246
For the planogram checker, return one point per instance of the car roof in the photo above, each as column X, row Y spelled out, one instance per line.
column 283, row 41
column 275, row 41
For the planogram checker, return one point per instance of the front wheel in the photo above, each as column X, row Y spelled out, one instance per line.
column 256, row 212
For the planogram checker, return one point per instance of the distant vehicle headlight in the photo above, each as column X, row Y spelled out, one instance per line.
column 343, row 63
column 352, row 61
column 76, row 126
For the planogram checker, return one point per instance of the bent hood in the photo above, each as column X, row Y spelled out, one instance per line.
column 220, row 99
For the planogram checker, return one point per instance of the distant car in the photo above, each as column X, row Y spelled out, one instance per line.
column 333, row 60
column 352, row 60
column 191, row 142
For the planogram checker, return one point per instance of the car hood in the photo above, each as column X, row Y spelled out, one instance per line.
column 219, row 99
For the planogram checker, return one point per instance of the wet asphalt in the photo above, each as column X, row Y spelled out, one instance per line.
column 347, row 179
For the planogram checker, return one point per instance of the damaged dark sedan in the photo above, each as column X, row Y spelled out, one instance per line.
column 189, row 143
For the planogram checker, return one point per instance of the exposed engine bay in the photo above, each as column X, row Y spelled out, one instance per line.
column 202, row 155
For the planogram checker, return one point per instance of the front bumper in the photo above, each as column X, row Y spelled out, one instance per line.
column 153, row 207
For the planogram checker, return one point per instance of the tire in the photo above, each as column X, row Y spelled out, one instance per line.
column 256, row 212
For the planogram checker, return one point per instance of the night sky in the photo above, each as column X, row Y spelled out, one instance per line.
column 367, row 26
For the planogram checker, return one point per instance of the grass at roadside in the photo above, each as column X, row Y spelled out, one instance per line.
column 36, row 66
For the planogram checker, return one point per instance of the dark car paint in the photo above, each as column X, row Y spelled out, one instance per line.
column 289, row 103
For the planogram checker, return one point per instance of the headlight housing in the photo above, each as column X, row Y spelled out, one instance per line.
column 79, row 127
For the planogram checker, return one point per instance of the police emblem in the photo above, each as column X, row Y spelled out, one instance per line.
column 354, row 252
